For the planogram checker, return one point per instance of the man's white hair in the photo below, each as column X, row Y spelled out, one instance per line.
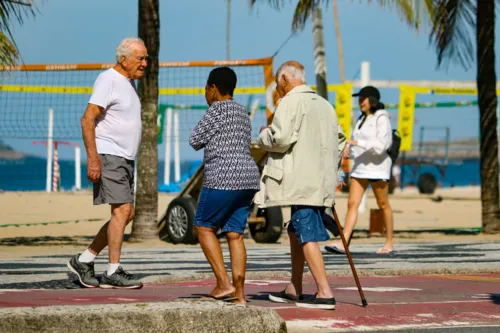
column 292, row 72
column 125, row 47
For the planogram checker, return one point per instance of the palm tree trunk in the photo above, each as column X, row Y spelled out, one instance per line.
column 339, row 40
column 144, row 227
column 486, row 84
column 319, row 53
column 228, row 30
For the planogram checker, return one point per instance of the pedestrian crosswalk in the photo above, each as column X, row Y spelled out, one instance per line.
column 187, row 262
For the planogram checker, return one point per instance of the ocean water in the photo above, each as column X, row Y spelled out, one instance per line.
column 28, row 174
column 456, row 173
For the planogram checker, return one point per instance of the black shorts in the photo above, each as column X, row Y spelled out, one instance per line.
column 373, row 180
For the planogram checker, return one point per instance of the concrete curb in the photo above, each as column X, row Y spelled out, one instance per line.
column 180, row 316
column 202, row 276
column 341, row 272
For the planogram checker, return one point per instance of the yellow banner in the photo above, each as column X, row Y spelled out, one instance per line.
column 88, row 90
column 406, row 117
column 445, row 91
column 343, row 106
column 453, row 91
column 46, row 89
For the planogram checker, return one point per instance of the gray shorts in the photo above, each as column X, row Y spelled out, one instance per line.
column 116, row 185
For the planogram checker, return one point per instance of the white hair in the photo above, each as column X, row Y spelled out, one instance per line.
column 125, row 47
column 292, row 72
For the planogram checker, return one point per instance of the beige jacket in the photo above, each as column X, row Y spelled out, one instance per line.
column 304, row 143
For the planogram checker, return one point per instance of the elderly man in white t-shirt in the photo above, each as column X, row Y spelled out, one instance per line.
column 111, row 128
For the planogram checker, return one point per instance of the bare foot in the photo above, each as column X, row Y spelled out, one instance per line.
column 240, row 294
column 290, row 290
column 222, row 292
column 240, row 301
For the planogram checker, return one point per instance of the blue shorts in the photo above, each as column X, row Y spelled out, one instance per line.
column 307, row 224
column 224, row 209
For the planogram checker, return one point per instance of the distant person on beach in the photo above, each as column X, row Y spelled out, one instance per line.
column 396, row 172
column 372, row 138
column 230, row 182
column 111, row 128
column 304, row 143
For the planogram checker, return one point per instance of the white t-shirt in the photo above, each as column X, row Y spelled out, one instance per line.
column 118, row 129
column 371, row 160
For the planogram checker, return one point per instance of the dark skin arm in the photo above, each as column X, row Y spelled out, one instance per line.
column 88, row 131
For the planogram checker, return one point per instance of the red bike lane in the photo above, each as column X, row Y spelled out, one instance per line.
column 393, row 301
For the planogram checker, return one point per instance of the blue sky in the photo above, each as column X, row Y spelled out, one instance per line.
column 68, row 31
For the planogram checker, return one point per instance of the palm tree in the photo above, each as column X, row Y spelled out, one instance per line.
column 145, row 221
column 228, row 30
column 453, row 26
column 406, row 9
column 338, row 36
column 319, row 53
column 452, row 22
column 12, row 10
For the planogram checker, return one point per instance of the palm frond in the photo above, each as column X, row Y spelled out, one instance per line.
column 276, row 4
column 303, row 11
column 404, row 9
column 412, row 12
column 8, row 52
column 452, row 32
column 12, row 11
column 429, row 7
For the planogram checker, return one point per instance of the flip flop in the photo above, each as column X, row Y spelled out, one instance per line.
column 334, row 249
column 383, row 250
column 227, row 298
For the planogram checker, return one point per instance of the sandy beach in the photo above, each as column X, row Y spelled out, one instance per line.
column 39, row 222
column 72, row 214
column 460, row 208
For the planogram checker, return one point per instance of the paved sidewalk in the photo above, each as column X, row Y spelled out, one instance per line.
column 442, row 285
column 408, row 302
column 188, row 263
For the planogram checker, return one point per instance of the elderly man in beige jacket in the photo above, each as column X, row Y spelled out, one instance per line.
column 304, row 143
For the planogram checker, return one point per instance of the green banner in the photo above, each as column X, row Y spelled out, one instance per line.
column 160, row 122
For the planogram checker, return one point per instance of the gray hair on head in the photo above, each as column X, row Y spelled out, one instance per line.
column 125, row 47
column 293, row 70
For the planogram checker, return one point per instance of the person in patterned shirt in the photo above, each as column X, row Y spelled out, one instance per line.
column 230, row 182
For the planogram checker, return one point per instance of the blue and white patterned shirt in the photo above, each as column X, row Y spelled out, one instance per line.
column 225, row 131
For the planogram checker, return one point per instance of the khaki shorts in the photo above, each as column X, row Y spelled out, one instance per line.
column 116, row 185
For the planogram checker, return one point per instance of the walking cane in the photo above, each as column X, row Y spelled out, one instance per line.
column 346, row 247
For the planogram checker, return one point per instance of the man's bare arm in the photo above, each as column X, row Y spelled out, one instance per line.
column 88, row 132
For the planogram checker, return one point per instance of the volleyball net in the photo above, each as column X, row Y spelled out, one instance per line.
column 28, row 92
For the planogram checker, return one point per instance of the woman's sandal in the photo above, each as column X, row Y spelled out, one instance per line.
column 384, row 250
column 334, row 249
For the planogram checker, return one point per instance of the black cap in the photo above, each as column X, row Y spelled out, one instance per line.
column 368, row 91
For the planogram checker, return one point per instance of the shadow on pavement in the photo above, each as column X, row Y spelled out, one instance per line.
column 70, row 283
column 47, row 241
